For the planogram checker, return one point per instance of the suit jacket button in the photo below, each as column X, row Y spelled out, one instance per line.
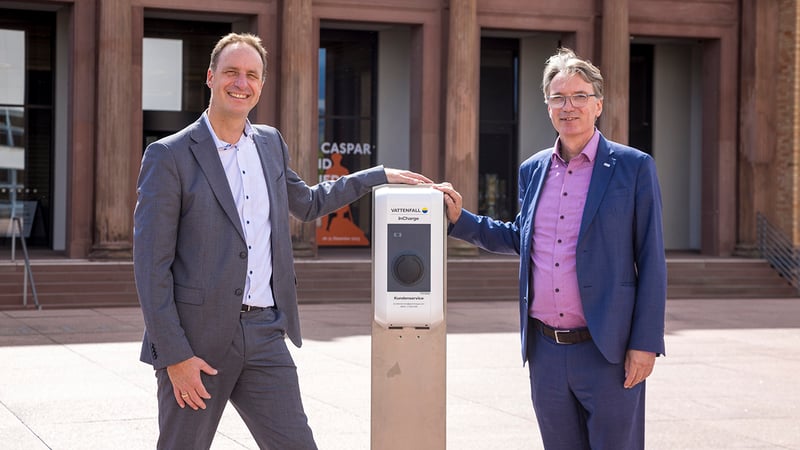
column 243, row 255
column 238, row 292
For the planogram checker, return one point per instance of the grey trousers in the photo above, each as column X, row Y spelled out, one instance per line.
column 259, row 378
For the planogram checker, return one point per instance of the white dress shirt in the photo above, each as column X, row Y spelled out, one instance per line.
column 245, row 175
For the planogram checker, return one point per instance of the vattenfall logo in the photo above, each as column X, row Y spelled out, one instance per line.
column 409, row 210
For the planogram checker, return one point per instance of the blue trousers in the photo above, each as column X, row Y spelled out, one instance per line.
column 579, row 398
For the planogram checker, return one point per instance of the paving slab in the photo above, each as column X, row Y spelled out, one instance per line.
column 71, row 379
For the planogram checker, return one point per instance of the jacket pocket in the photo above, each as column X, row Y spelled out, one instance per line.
column 189, row 295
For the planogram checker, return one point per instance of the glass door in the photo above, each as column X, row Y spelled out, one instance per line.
column 347, row 127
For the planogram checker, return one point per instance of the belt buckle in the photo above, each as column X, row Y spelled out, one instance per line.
column 558, row 340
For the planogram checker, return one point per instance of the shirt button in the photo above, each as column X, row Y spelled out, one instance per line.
column 558, row 290
column 557, row 264
column 559, row 241
column 561, row 217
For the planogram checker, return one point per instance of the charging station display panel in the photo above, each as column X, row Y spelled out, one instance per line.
column 408, row 256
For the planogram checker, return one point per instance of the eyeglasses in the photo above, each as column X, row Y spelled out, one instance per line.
column 577, row 100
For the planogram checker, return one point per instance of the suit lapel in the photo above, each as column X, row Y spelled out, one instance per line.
column 538, row 175
column 269, row 153
column 604, row 165
column 206, row 155
column 269, row 163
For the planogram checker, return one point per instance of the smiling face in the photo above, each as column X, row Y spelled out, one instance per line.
column 235, row 81
column 575, row 126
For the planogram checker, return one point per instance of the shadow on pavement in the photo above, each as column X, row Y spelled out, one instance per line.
column 327, row 322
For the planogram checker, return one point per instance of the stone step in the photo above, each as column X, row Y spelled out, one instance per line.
column 63, row 284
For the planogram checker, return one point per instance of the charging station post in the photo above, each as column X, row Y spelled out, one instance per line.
column 409, row 328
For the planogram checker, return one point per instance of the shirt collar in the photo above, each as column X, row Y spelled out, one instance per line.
column 220, row 144
column 589, row 150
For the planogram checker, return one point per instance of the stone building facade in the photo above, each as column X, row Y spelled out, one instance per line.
column 449, row 88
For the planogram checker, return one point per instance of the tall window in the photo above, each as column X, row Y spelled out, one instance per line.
column 26, row 124
column 499, row 117
column 347, row 126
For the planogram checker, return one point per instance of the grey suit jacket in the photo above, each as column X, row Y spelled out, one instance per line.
column 189, row 251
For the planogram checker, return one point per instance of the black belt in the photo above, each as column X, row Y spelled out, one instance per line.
column 562, row 336
column 248, row 308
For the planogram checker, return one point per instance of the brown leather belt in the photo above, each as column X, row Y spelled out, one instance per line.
column 562, row 336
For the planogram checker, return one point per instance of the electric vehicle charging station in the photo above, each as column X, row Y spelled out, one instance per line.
column 409, row 258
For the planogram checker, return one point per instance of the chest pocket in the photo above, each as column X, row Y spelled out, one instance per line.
column 618, row 201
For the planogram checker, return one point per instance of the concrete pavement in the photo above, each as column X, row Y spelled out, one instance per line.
column 71, row 379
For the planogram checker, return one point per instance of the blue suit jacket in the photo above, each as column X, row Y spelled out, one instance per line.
column 622, row 273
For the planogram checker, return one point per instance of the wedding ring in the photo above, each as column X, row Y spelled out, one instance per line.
column 185, row 395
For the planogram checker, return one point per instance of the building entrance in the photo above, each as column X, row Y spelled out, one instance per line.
column 666, row 122
column 499, row 122
column 347, row 126
column 27, row 60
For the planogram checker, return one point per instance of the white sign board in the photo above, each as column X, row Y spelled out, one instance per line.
column 12, row 157
column 162, row 74
column 12, row 67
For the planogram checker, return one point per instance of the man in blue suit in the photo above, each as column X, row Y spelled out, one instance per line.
column 592, row 269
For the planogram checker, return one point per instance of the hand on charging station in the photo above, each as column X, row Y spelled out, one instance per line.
column 452, row 200
column 397, row 176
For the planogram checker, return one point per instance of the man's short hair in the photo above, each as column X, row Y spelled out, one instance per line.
column 244, row 38
column 567, row 62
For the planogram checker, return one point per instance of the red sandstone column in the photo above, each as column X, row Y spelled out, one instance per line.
column 616, row 70
column 113, row 185
column 757, row 113
column 297, row 106
column 461, row 126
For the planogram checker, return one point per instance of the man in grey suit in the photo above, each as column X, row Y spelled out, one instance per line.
column 213, row 261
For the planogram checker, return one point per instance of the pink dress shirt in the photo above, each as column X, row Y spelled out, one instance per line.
column 557, row 221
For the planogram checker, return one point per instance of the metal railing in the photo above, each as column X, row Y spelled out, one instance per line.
column 778, row 250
